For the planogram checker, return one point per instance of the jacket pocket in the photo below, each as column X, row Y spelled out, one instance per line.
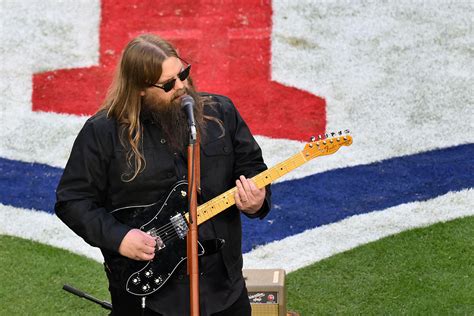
column 218, row 147
column 217, row 163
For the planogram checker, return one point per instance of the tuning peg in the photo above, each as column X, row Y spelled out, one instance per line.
column 327, row 136
column 332, row 134
column 340, row 133
column 312, row 139
column 347, row 131
column 319, row 137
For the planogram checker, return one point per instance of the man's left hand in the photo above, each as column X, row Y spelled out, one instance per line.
column 248, row 197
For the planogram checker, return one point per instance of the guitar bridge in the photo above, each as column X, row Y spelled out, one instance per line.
column 179, row 225
column 159, row 244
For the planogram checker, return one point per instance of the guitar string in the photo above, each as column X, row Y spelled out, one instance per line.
column 211, row 204
column 163, row 234
column 170, row 237
column 155, row 230
column 163, row 230
column 166, row 229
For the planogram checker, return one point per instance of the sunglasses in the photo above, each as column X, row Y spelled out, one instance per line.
column 169, row 85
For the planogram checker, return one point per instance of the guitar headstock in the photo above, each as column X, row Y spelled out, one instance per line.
column 328, row 145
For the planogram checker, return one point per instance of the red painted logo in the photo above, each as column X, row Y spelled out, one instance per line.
column 228, row 45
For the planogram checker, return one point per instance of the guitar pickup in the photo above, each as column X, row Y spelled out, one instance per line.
column 179, row 225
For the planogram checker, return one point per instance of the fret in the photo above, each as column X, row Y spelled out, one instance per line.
column 279, row 170
column 203, row 214
column 216, row 205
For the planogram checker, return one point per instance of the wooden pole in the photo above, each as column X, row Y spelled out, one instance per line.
column 192, row 237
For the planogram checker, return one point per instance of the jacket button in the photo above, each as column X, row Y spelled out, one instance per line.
column 163, row 140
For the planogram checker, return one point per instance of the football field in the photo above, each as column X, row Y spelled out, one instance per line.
column 384, row 226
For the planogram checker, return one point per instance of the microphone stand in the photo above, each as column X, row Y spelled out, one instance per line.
column 192, row 237
column 81, row 294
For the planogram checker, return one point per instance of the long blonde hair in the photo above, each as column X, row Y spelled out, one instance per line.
column 139, row 66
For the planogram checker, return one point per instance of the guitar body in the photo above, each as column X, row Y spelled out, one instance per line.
column 165, row 220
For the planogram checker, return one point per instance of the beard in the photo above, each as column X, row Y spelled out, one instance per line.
column 172, row 119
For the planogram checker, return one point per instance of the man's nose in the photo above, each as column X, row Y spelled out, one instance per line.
column 178, row 84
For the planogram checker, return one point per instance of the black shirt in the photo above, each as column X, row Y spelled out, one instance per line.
column 92, row 185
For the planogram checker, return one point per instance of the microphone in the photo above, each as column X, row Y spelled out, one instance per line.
column 187, row 104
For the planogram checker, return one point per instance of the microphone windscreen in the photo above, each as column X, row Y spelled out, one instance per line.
column 187, row 100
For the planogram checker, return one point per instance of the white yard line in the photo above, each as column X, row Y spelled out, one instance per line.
column 45, row 228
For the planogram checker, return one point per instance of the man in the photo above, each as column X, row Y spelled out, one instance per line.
column 132, row 152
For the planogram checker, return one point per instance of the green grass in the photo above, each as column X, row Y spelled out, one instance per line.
column 428, row 271
column 32, row 276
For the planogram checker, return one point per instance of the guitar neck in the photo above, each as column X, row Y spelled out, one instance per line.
column 226, row 199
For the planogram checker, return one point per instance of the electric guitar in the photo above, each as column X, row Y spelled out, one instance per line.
column 167, row 220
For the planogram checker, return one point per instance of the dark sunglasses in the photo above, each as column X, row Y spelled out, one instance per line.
column 169, row 85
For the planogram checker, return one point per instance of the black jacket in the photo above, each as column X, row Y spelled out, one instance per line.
column 91, row 185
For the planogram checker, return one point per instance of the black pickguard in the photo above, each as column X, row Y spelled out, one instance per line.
column 164, row 220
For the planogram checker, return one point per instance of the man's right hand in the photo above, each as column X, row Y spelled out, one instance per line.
column 138, row 245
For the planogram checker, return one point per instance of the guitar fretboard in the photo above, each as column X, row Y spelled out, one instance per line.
column 226, row 199
column 312, row 150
